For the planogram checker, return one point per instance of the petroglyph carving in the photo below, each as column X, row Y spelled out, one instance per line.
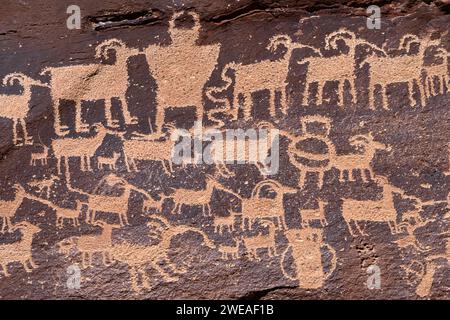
column 230, row 252
column 117, row 205
column 154, row 150
column 87, row 82
column 310, row 215
column 259, row 148
column 437, row 72
column 406, row 68
column 41, row 157
column 8, row 208
column 181, row 69
column 305, row 245
column 44, row 187
column 88, row 245
column 83, row 148
column 306, row 161
column 258, row 207
column 109, row 162
column 137, row 257
column 264, row 241
column 382, row 210
column 189, row 197
column 15, row 107
column 263, row 75
column 19, row 251
column 221, row 223
column 361, row 161
column 338, row 68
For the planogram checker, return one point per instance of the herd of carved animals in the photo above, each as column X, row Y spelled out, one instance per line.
column 265, row 215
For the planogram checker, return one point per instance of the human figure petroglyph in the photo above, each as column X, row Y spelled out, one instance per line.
column 257, row 207
column 109, row 162
column 310, row 215
column 82, row 148
column 305, row 245
column 262, row 241
column 263, row 75
column 181, row 69
column 360, row 161
column 340, row 68
column 19, row 251
column 8, row 208
column 91, row 82
column 406, row 68
column 88, row 245
column 16, row 106
column 138, row 256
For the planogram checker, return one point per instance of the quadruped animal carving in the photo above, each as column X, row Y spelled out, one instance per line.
column 82, row 148
column 258, row 207
column 340, row 68
column 87, row 82
column 21, row 250
column 263, row 241
column 382, row 210
column 8, row 208
column 181, row 69
column 88, row 245
column 405, row 68
column 15, row 107
column 189, row 197
column 139, row 256
column 360, row 161
column 263, row 75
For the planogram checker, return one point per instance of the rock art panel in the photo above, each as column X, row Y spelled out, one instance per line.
column 200, row 157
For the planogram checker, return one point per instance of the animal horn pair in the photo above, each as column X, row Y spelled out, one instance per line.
column 102, row 48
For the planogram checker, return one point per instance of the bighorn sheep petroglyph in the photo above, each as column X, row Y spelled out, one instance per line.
column 257, row 207
column 263, row 75
column 91, row 82
column 338, row 68
column 202, row 197
column 109, row 162
column 154, row 149
column 406, row 68
column 16, row 106
column 382, row 210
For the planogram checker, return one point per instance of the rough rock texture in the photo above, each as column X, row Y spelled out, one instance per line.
column 89, row 187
